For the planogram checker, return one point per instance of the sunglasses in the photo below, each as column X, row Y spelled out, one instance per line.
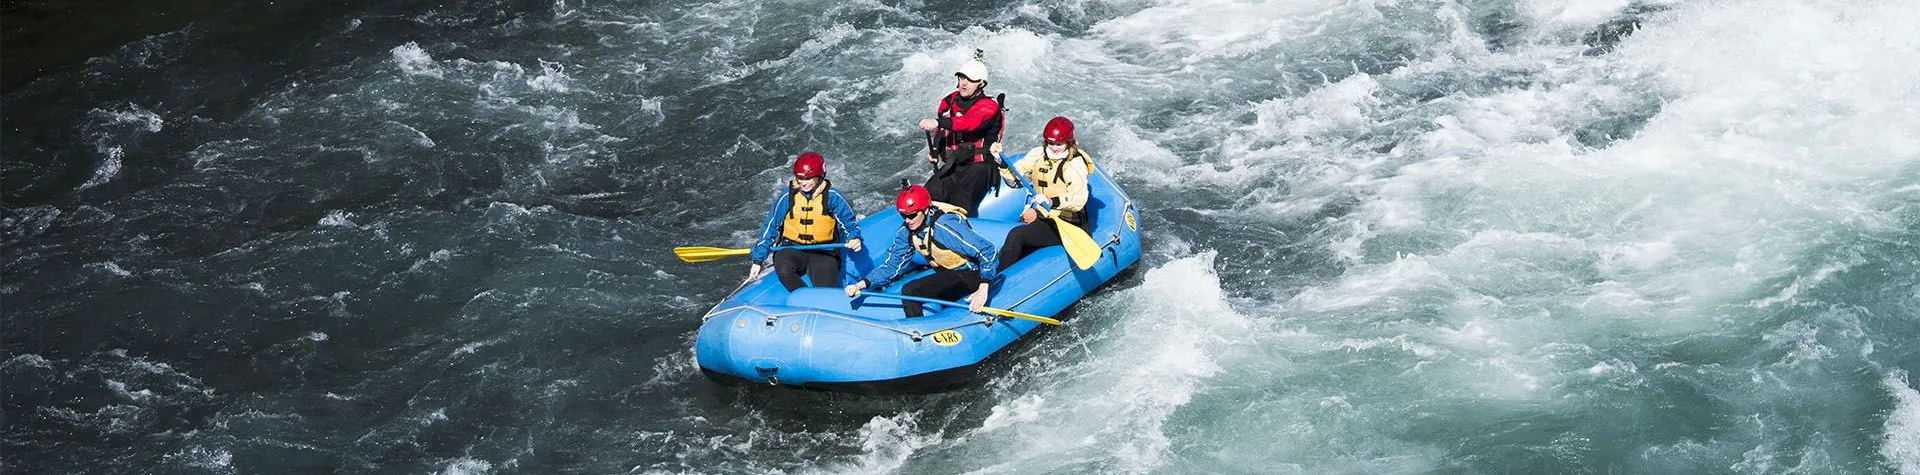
column 910, row 216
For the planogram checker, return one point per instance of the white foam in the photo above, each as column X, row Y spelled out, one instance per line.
column 924, row 77
column 438, row 256
column 1115, row 410
column 472, row 347
column 111, row 268
column 337, row 303
column 1902, row 431
column 1025, row 408
column 111, row 419
column 553, row 78
column 414, row 60
column 885, row 443
column 218, row 460
column 467, row 466
column 1211, row 30
column 418, row 137
column 137, row 396
column 337, row 219
column 28, row 360
column 432, row 417
column 1574, row 15
column 108, row 168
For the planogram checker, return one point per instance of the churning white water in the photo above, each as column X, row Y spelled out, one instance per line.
column 1414, row 236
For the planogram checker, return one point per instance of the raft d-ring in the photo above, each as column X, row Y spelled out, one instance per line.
column 771, row 319
column 915, row 335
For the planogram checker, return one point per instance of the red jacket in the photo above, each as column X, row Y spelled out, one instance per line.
column 971, row 125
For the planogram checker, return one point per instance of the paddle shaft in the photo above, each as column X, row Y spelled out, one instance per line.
column 913, row 298
column 704, row 254
column 996, row 311
column 807, row 247
column 1027, row 185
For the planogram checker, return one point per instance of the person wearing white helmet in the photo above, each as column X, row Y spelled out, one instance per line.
column 963, row 138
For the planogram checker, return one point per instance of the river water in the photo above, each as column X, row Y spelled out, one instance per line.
column 1382, row 237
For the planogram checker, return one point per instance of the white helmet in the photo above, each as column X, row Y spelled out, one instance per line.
column 974, row 70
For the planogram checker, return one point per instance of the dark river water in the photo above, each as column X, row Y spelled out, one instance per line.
column 1382, row 237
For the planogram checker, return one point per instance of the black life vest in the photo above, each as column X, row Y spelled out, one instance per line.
column 970, row 146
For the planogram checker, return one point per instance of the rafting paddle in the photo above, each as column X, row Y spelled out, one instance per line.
column 704, row 254
column 996, row 311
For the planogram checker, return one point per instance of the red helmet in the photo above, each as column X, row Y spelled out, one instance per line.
column 809, row 165
column 914, row 199
column 1058, row 130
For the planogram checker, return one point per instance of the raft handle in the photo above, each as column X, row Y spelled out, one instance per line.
column 767, row 372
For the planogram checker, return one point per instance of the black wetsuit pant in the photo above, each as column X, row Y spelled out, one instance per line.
column 964, row 184
column 820, row 265
column 944, row 284
column 1029, row 237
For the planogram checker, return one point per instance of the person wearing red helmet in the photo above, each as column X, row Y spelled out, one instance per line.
column 963, row 262
column 966, row 129
column 808, row 211
column 1058, row 170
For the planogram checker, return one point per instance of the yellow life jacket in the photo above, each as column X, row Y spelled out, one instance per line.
column 808, row 221
column 1051, row 187
column 935, row 253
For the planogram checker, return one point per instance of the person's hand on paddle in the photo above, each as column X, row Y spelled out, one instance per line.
column 855, row 289
column 854, row 245
column 929, row 125
column 1033, row 210
column 978, row 300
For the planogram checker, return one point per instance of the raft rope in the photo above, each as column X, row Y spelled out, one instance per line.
column 916, row 335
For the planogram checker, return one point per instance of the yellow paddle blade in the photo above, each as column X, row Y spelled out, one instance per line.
column 704, row 254
column 704, row 257
column 1023, row 316
column 1080, row 246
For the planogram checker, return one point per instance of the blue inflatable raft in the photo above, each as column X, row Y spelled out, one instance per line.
column 817, row 338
